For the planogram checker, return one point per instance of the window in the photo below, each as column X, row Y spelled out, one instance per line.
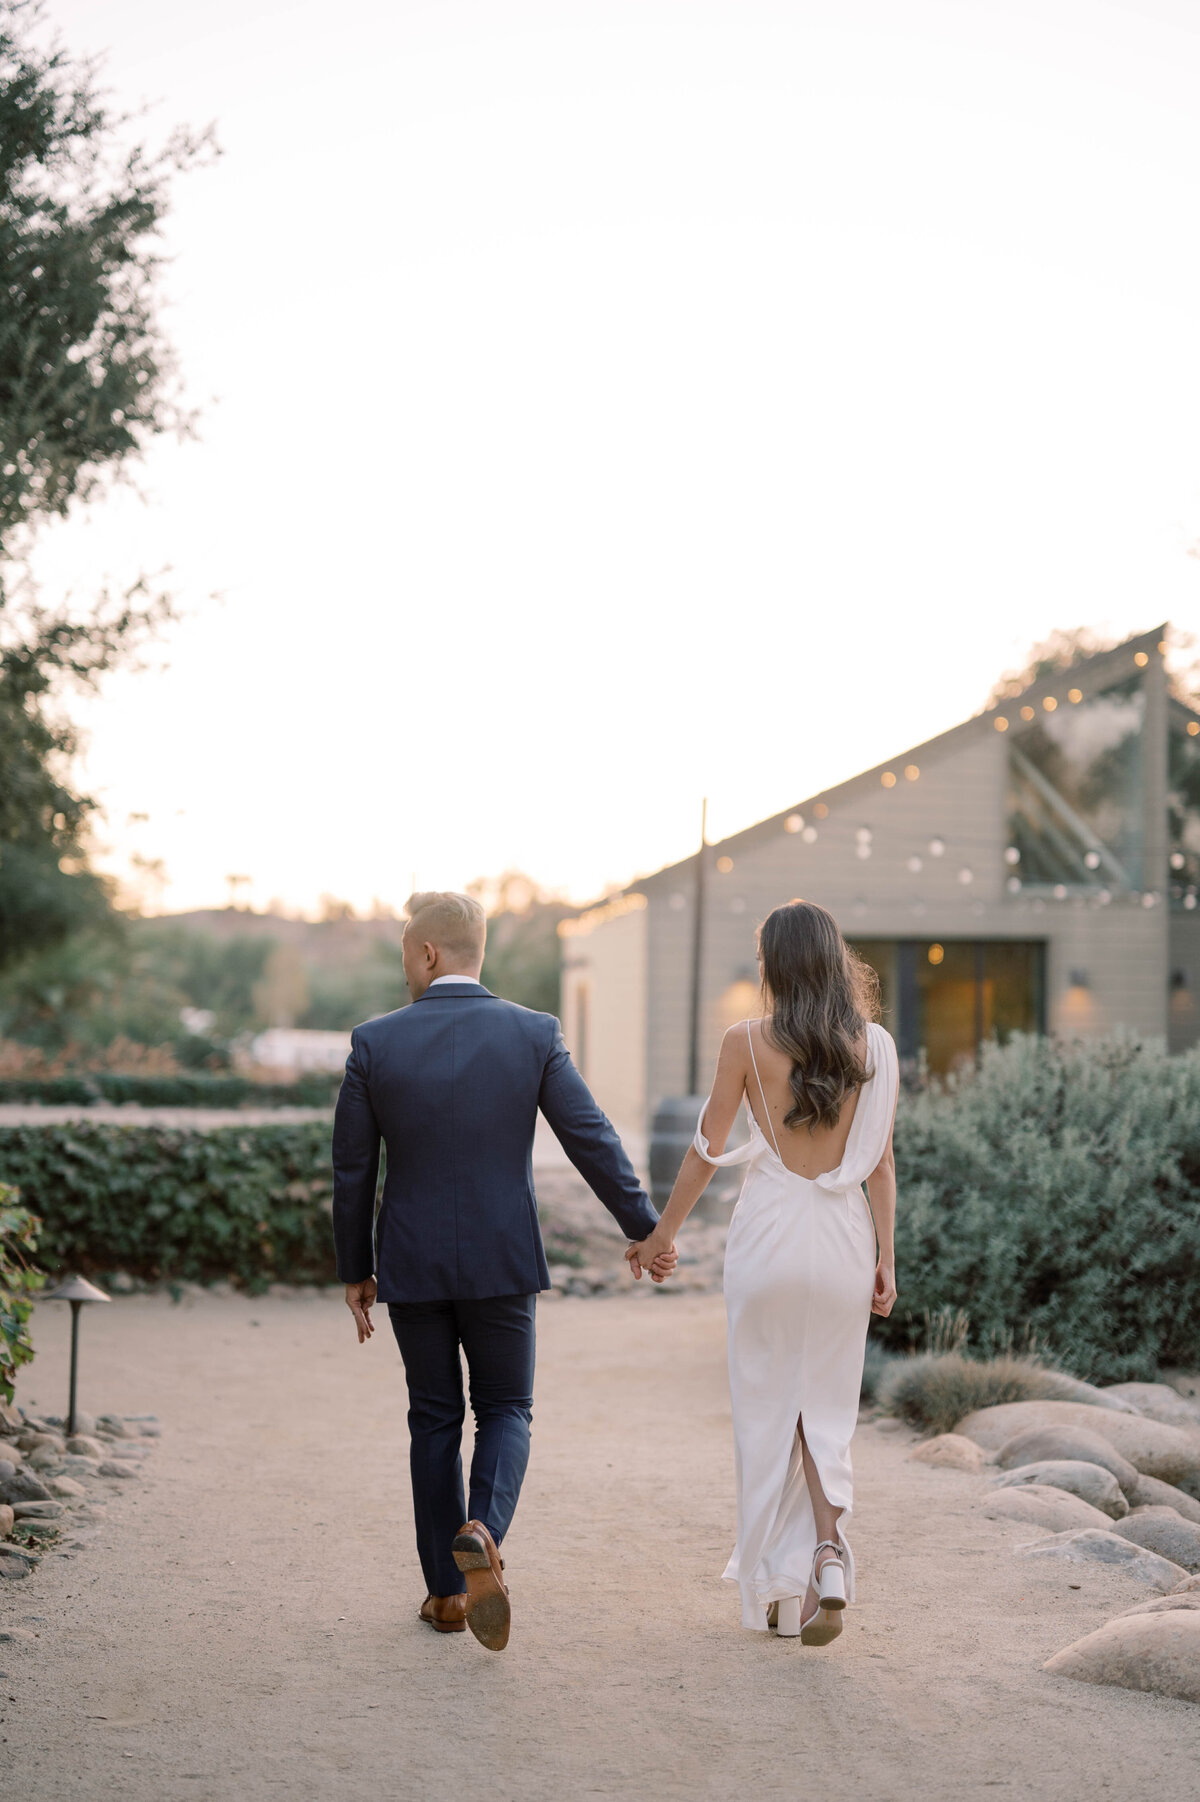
column 946, row 997
column 1075, row 797
column 1183, row 808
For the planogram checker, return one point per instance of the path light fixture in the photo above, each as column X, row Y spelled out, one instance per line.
column 78, row 1291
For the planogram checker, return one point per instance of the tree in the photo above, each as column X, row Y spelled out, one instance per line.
column 87, row 377
column 1061, row 651
column 86, row 381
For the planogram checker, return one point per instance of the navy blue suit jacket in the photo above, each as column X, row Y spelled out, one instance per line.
column 452, row 1085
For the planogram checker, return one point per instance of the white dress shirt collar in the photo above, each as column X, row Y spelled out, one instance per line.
column 438, row 979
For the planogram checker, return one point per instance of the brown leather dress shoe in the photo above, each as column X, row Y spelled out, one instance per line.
column 488, row 1614
column 445, row 1614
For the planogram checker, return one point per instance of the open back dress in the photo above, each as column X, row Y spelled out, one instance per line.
column 799, row 1275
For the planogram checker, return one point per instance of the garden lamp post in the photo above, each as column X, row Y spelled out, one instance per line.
column 77, row 1290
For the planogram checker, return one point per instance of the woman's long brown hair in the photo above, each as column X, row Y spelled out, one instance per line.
column 821, row 995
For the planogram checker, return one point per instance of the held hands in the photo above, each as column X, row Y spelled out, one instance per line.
column 884, row 1298
column 657, row 1255
column 360, row 1299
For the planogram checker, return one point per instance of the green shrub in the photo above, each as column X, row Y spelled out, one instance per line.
column 187, row 1090
column 19, row 1282
column 1054, row 1195
column 934, row 1390
column 251, row 1204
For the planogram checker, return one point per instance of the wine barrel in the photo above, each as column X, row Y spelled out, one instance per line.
column 673, row 1130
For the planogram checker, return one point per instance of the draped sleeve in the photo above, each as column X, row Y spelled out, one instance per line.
column 740, row 1154
column 872, row 1121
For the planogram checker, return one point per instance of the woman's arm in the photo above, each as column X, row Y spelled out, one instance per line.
column 717, row 1120
column 881, row 1188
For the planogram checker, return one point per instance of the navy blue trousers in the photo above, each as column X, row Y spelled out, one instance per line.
column 497, row 1335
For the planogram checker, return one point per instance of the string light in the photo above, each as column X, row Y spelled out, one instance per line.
column 724, row 864
column 1141, row 659
column 809, row 835
column 794, row 823
column 1049, row 703
column 1013, row 885
column 863, row 834
column 1177, row 860
column 888, row 778
column 1193, row 728
column 1161, row 647
column 914, row 864
column 820, row 811
column 1012, row 855
column 911, row 772
column 1092, row 860
column 1060, row 891
column 935, row 954
column 1075, row 695
column 1000, row 723
column 936, row 847
column 1027, row 713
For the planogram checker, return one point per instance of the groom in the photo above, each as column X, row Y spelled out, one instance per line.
column 452, row 1085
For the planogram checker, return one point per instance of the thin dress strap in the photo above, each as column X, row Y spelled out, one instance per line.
column 762, row 1093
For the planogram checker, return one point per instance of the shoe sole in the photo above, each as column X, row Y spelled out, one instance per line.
column 824, row 1626
column 444, row 1626
column 488, row 1613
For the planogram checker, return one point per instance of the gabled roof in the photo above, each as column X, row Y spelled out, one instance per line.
column 1091, row 674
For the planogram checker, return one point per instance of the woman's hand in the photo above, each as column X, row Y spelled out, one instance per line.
column 656, row 1254
column 884, row 1298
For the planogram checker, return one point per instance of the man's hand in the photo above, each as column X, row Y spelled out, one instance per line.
column 655, row 1255
column 360, row 1299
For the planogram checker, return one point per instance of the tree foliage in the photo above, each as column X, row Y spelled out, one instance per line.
column 86, row 381
column 86, row 373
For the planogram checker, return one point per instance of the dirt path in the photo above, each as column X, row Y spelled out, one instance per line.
column 244, row 1625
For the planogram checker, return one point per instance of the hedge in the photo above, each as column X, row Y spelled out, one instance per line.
column 251, row 1204
column 1054, row 1195
column 20, row 1280
column 314, row 1090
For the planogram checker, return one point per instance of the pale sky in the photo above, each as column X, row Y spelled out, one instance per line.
column 607, row 403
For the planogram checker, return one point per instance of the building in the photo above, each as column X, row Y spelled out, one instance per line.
column 293, row 1050
column 1035, row 868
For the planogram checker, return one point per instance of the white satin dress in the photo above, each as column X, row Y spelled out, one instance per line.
column 799, row 1275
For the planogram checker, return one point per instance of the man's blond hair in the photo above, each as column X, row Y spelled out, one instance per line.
column 455, row 923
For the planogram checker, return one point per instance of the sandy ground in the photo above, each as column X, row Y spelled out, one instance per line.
column 244, row 1624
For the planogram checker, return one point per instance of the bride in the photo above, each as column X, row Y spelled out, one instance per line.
column 808, row 1260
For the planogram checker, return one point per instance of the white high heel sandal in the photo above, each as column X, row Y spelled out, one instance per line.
column 825, row 1621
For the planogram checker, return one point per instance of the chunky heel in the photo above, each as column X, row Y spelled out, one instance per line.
column 787, row 1617
column 831, row 1591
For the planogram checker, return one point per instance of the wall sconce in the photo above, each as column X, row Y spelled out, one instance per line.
column 1179, row 980
column 1078, row 979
